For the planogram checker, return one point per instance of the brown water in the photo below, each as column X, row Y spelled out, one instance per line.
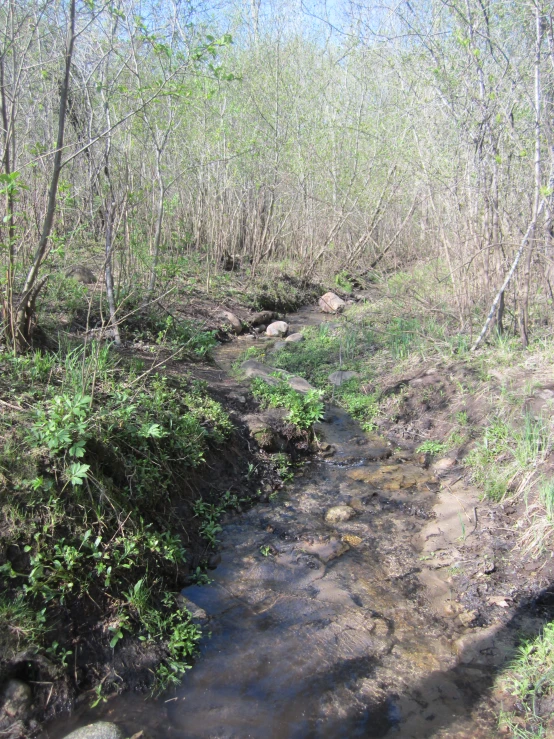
column 333, row 633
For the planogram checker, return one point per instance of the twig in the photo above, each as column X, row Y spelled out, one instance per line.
column 10, row 405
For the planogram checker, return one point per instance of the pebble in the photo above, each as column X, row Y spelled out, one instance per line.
column 277, row 328
column 99, row 730
column 337, row 378
column 339, row 513
column 16, row 699
column 331, row 303
column 236, row 323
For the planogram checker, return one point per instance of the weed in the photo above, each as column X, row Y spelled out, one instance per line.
column 530, row 679
column 401, row 337
column 433, row 448
column 455, row 439
column 209, row 515
column 304, row 409
column 462, row 536
column 462, row 418
column 284, row 466
column 364, row 407
column 343, row 280
column 22, row 625
column 58, row 653
column 99, row 696
column 200, row 577
column 265, row 550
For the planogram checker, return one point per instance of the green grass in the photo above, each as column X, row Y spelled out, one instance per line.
column 530, row 681
column 503, row 457
column 362, row 406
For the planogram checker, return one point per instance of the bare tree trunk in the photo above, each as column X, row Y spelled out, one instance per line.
column 500, row 293
column 108, row 272
column 31, row 288
column 524, row 304
column 6, row 163
column 158, row 231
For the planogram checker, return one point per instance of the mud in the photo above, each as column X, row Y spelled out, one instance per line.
column 391, row 622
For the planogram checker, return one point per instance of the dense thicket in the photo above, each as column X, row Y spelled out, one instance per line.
column 135, row 134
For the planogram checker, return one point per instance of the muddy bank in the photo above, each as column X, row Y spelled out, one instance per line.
column 374, row 596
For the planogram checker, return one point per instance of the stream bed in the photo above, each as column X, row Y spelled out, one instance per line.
column 326, row 624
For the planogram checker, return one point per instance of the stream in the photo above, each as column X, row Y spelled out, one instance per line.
column 322, row 629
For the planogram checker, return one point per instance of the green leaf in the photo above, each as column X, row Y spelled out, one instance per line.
column 77, row 473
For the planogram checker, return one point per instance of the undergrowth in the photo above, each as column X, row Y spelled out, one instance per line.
column 529, row 679
column 90, row 469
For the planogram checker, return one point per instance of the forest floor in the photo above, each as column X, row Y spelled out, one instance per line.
column 80, row 615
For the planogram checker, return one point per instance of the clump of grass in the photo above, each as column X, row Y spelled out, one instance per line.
column 503, row 458
column 304, row 409
column 364, row 407
column 530, row 681
column 434, row 448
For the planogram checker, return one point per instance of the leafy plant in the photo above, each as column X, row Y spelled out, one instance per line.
column 432, row 447
column 62, row 424
column 304, row 409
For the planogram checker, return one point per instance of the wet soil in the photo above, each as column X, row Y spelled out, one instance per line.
column 391, row 618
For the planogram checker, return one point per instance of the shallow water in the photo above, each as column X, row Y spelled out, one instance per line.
column 331, row 633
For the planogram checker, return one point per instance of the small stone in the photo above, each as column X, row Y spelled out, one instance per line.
column 214, row 560
column 326, row 550
column 499, row 600
column 299, row 384
column 262, row 318
column 253, row 368
column 339, row 513
column 488, row 565
column 277, row 328
column 392, row 477
column 352, row 540
column 337, row 378
column 15, row 699
column 99, row 730
column 295, row 338
column 441, row 466
column 197, row 613
column 236, row 323
column 467, row 617
column 331, row 303
column 278, row 346
column 82, row 274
